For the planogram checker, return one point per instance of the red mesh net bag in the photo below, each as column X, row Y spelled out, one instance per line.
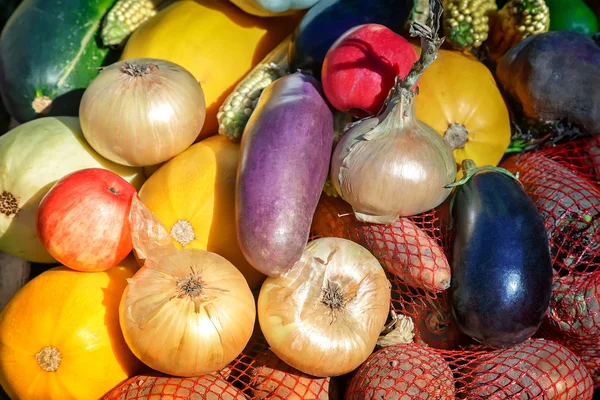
column 582, row 156
column 257, row 373
column 413, row 251
column 563, row 181
column 150, row 387
column 535, row 369
column 561, row 362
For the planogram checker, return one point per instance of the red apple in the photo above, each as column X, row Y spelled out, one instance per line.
column 360, row 67
column 83, row 221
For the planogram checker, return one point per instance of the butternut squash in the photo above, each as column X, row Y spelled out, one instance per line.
column 214, row 40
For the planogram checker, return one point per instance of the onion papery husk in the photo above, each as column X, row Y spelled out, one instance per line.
column 186, row 312
column 324, row 315
column 142, row 111
column 393, row 165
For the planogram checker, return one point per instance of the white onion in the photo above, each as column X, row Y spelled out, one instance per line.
column 186, row 312
column 324, row 315
column 393, row 165
column 142, row 112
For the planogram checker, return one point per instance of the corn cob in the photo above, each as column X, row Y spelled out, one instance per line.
column 466, row 22
column 237, row 108
column 517, row 20
column 125, row 17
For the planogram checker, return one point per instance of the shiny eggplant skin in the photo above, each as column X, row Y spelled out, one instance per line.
column 501, row 264
column 285, row 154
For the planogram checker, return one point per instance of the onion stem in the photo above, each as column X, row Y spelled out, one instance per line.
column 190, row 285
column 333, row 296
column 135, row 69
column 403, row 89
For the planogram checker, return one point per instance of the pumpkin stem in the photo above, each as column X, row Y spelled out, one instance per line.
column 183, row 232
column 49, row 358
column 456, row 136
column 41, row 104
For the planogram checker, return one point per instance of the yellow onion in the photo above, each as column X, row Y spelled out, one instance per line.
column 142, row 111
column 393, row 165
column 323, row 316
column 186, row 312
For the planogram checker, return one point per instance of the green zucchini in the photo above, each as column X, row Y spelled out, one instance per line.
column 50, row 51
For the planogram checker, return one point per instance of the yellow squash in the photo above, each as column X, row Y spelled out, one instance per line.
column 60, row 336
column 459, row 98
column 214, row 40
column 193, row 196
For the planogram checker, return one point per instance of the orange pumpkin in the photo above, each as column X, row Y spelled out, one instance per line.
column 60, row 336
column 459, row 98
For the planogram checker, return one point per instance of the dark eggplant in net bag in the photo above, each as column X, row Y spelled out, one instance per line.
column 501, row 266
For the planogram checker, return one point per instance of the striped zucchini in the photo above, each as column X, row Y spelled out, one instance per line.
column 235, row 111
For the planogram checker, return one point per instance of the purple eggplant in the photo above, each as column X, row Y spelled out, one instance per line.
column 501, row 267
column 285, row 154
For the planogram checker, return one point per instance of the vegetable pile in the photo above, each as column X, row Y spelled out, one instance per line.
column 306, row 199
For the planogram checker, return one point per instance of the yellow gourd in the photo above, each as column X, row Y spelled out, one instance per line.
column 60, row 336
column 193, row 196
column 214, row 40
column 459, row 98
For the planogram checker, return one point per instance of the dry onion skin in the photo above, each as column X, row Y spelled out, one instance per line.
column 392, row 164
column 142, row 111
column 324, row 315
column 186, row 312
